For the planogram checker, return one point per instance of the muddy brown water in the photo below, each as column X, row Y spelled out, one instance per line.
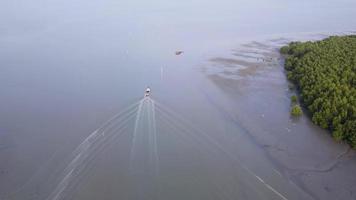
column 217, row 125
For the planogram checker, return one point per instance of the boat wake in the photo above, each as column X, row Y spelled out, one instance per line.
column 90, row 147
column 167, row 151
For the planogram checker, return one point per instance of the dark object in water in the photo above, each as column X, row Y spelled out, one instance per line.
column 179, row 52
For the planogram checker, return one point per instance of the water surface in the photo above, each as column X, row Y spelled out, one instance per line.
column 67, row 67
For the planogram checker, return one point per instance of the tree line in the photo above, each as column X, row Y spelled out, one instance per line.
column 325, row 75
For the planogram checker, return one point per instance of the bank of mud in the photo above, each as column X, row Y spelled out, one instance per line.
column 252, row 78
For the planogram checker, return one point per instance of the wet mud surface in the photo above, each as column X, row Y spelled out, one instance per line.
column 253, row 79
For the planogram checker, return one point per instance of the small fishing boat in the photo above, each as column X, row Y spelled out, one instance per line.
column 147, row 92
column 179, row 52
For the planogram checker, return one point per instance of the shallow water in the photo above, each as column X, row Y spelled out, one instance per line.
column 67, row 67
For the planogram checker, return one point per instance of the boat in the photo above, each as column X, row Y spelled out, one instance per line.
column 147, row 92
column 179, row 52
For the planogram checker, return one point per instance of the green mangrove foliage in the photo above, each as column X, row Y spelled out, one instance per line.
column 296, row 111
column 325, row 75
column 293, row 99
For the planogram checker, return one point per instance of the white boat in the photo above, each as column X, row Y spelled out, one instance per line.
column 147, row 92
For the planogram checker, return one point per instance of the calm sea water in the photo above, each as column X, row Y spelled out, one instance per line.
column 66, row 67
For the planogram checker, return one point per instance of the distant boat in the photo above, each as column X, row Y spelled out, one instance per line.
column 147, row 92
column 179, row 52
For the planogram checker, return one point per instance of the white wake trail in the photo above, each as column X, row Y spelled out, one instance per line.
column 90, row 147
column 143, row 167
column 186, row 124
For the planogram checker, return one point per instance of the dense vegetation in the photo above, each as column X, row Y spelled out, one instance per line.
column 325, row 75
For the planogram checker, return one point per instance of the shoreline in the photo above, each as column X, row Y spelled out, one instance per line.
column 305, row 163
